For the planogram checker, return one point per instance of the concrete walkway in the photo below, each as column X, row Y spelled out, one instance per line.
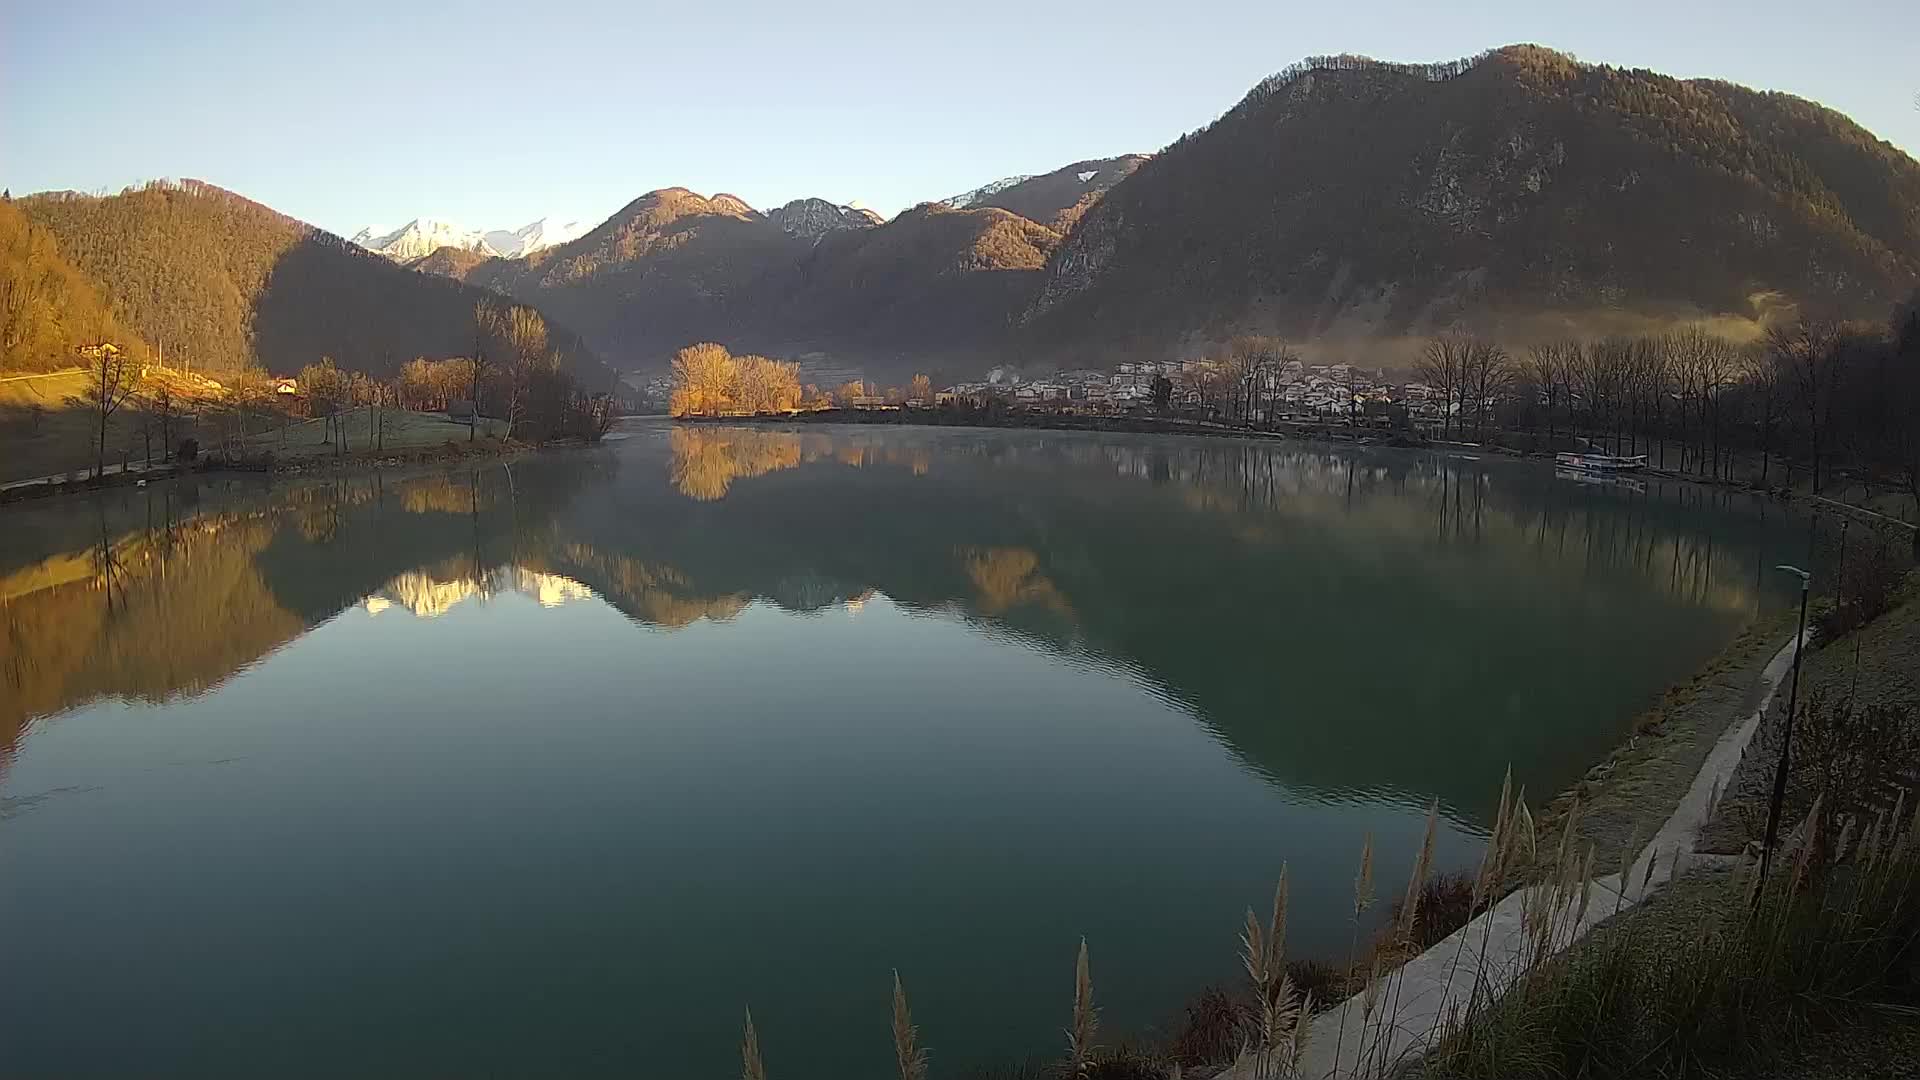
column 76, row 476
column 1422, row 1000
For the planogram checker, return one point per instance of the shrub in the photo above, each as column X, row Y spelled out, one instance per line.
column 1869, row 580
column 1323, row 981
column 1855, row 753
column 189, row 449
column 1446, row 905
column 1125, row 1064
column 1217, row 1027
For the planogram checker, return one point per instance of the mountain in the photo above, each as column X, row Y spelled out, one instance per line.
column 670, row 268
column 421, row 237
column 527, row 239
column 1055, row 199
column 934, row 281
column 226, row 282
column 1519, row 191
column 450, row 262
column 815, row 218
column 984, row 191
column 674, row 267
column 1343, row 200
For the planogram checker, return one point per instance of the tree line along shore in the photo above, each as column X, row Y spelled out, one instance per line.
column 1824, row 408
column 119, row 412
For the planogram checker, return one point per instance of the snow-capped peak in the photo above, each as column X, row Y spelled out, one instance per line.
column 985, row 191
column 424, row 236
column 549, row 231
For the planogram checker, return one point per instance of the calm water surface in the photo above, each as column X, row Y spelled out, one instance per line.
column 556, row 766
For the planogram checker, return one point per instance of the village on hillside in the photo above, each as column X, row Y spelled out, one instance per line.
column 1292, row 390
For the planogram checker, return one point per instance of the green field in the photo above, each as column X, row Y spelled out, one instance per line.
column 44, row 430
column 396, row 429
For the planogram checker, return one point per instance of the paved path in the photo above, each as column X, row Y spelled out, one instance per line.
column 1493, row 950
column 40, row 375
column 157, row 469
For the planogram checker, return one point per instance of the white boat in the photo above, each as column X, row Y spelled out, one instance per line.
column 1602, row 463
column 1602, row 479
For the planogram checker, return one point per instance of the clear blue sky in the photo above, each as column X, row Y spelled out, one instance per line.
column 343, row 112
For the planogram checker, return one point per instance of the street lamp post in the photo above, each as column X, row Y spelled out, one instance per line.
column 1786, row 736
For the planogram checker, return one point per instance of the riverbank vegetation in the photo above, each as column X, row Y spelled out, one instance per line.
column 1823, row 408
column 709, row 381
column 120, row 408
column 1827, row 407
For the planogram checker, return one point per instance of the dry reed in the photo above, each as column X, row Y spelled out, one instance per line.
column 751, row 1067
column 1086, row 1018
column 908, row 1054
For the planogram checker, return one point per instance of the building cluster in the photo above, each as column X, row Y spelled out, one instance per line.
column 1289, row 390
column 1293, row 390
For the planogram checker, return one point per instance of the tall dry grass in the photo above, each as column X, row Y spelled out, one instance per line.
column 908, row 1054
column 1835, row 933
column 1281, row 1011
column 751, row 1067
column 1086, row 1018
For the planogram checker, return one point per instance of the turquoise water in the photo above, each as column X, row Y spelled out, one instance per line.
column 558, row 765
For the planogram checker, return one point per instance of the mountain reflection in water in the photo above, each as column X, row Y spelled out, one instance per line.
column 482, row 764
column 1250, row 581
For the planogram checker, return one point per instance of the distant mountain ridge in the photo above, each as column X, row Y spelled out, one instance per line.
column 424, row 236
column 226, row 283
column 674, row 267
column 1055, row 199
column 1344, row 201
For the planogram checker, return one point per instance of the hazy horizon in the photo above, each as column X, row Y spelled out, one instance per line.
column 357, row 115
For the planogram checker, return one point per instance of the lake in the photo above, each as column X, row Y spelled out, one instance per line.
column 557, row 765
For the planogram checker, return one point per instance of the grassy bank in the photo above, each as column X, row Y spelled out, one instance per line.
column 1818, row 976
column 1624, row 798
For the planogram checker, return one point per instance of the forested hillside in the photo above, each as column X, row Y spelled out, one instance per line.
column 47, row 306
column 223, row 283
column 671, row 268
column 1346, row 198
column 932, row 280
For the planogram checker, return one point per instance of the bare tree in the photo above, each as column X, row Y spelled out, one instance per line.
column 1762, row 373
column 112, row 378
column 1443, row 366
column 1488, row 376
column 1809, row 355
column 1545, row 369
column 1706, row 365
column 486, row 322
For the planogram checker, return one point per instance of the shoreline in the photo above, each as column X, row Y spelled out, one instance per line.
column 356, row 461
column 1131, row 425
column 1148, row 425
